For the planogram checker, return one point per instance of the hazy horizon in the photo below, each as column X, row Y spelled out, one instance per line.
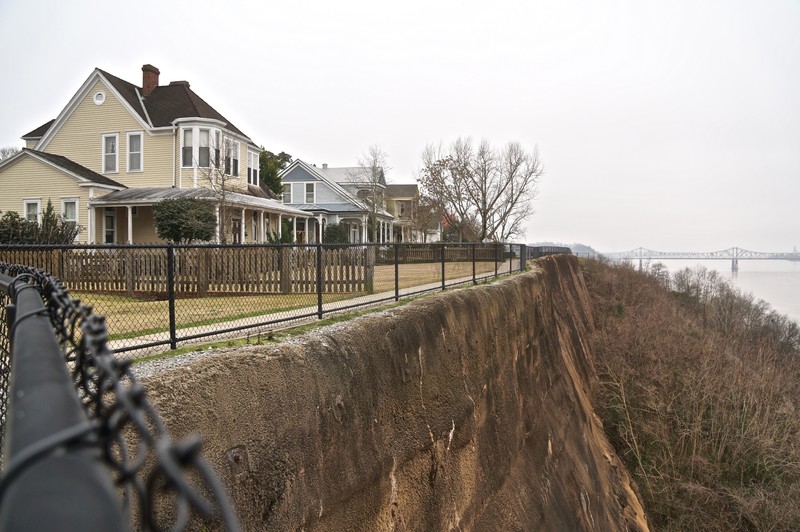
column 666, row 125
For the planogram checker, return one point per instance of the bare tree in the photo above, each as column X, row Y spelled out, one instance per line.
column 370, row 178
column 426, row 216
column 493, row 187
column 218, row 165
column 8, row 151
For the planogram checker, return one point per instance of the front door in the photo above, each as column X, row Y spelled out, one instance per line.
column 237, row 231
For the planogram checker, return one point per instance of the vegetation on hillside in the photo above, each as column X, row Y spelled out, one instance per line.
column 700, row 394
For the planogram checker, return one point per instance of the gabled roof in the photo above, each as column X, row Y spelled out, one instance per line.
column 352, row 175
column 66, row 165
column 167, row 103
column 402, row 191
column 39, row 131
column 350, row 204
column 317, row 172
column 164, row 105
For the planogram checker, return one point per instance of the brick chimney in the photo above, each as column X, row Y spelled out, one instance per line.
column 149, row 79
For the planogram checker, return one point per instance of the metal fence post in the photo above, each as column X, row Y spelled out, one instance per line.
column 474, row 280
column 523, row 257
column 510, row 259
column 396, row 272
column 319, row 281
column 496, row 273
column 173, row 341
column 443, row 273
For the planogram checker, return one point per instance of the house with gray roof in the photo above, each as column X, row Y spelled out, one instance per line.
column 344, row 196
column 116, row 149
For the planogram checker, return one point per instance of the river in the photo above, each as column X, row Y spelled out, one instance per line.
column 775, row 281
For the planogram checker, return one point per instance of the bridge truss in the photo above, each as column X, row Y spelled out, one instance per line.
column 732, row 254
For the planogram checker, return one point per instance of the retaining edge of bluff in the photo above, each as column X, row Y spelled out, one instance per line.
column 469, row 409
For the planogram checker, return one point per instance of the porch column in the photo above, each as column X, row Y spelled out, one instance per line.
column 280, row 225
column 91, row 226
column 391, row 231
column 216, row 230
column 305, row 233
column 319, row 231
column 263, row 237
column 364, row 239
column 241, row 228
column 130, row 224
column 294, row 230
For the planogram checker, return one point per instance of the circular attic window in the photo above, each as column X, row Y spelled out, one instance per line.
column 99, row 97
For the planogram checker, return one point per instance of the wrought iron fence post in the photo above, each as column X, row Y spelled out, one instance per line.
column 319, row 281
column 396, row 272
column 510, row 259
column 495, row 261
column 173, row 342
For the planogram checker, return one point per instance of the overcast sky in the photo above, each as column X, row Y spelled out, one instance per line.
column 670, row 125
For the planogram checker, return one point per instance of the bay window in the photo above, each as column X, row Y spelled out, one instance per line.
column 252, row 168
column 186, row 158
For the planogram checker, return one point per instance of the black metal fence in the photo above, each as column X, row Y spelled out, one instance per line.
column 159, row 296
column 83, row 449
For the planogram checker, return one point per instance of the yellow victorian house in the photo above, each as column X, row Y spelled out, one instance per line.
column 116, row 149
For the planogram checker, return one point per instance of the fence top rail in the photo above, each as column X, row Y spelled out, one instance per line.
column 116, row 407
column 251, row 245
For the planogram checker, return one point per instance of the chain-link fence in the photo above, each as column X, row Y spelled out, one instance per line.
column 76, row 425
column 159, row 296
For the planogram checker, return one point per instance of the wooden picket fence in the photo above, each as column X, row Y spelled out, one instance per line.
column 204, row 270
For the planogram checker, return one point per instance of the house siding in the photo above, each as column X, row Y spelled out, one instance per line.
column 29, row 178
column 80, row 139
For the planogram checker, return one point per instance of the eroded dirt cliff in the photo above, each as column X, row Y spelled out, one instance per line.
column 465, row 410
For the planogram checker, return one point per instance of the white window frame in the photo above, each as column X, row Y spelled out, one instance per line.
column 32, row 201
column 200, row 131
column 140, row 153
column 253, row 167
column 284, row 191
column 64, row 202
column 231, row 152
column 313, row 192
column 105, row 136
column 184, row 146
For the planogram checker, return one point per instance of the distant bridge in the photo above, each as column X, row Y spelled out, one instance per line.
column 731, row 254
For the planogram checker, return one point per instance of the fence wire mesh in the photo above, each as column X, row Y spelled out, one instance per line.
column 165, row 483
column 5, row 364
column 158, row 296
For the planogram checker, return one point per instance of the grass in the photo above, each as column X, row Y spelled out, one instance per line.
column 129, row 317
column 273, row 337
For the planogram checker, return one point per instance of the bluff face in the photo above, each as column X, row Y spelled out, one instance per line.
column 465, row 410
